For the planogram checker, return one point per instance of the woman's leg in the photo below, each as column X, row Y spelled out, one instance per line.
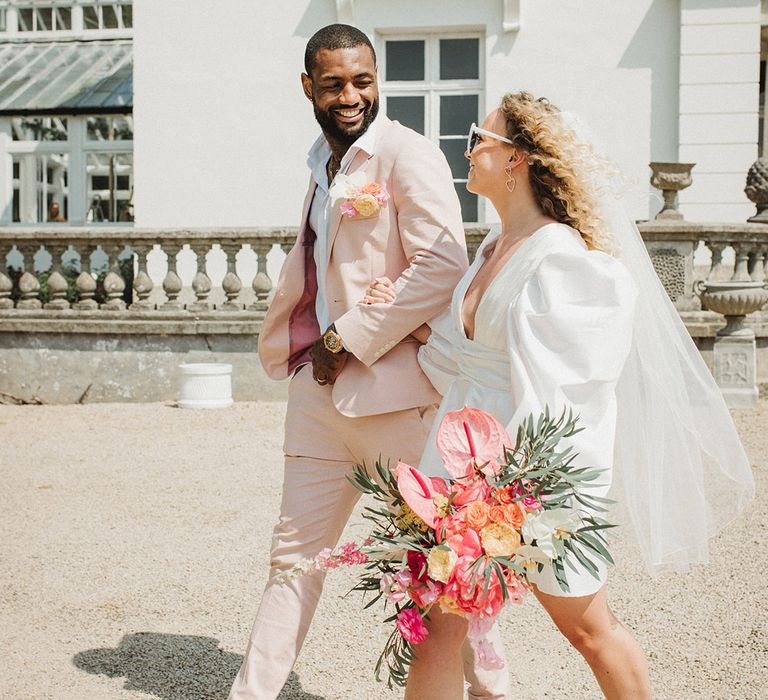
column 608, row 647
column 437, row 672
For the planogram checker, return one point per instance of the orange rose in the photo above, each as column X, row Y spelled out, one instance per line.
column 498, row 514
column 514, row 515
column 505, row 495
column 373, row 188
column 477, row 514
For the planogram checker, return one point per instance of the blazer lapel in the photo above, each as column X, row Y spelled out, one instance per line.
column 334, row 223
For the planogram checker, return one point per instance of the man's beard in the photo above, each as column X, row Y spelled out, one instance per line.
column 335, row 132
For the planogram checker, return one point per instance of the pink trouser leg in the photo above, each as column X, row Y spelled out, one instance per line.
column 317, row 502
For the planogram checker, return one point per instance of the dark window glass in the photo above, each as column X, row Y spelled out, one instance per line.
column 468, row 202
column 457, row 112
column 64, row 18
column 25, row 19
column 123, row 182
column 409, row 111
column 100, row 182
column 459, row 58
column 44, row 19
column 109, row 16
column 90, row 17
column 453, row 149
column 127, row 16
column 405, row 60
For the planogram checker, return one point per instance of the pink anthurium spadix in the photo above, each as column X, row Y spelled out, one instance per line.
column 470, row 438
column 419, row 491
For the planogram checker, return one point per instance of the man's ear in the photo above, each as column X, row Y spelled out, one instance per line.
column 306, row 86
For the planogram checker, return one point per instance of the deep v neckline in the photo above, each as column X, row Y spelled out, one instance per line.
column 483, row 296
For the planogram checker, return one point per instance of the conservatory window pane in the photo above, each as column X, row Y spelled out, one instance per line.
column 63, row 18
column 90, row 17
column 408, row 110
column 38, row 129
column 40, row 182
column 457, row 112
column 405, row 60
column 26, row 19
column 127, row 16
column 44, row 19
column 2, row 19
column 110, row 184
column 110, row 128
column 459, row 58
column 109, row 17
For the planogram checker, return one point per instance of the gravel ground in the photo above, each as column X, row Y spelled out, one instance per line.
column 134, row 549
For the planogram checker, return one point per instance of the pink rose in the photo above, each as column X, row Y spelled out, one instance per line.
column 426, row 593
column 474, row 488
column 531, row 503
column 411, row 626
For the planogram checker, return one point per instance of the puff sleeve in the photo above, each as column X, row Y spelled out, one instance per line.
column 569, row 335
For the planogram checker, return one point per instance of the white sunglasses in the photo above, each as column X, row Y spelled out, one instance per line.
column 475, row 131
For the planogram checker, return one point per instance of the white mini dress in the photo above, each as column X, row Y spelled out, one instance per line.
column 552, row 329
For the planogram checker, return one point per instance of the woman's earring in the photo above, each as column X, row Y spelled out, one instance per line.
column 510, row 179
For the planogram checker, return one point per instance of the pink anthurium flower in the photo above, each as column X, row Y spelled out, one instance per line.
column 470, row 438
column 418, row 491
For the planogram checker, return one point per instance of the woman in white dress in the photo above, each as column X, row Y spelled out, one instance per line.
column 548, row 316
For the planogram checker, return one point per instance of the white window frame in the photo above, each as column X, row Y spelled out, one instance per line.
column 432, row 88
column 10, row 10
column 76, row 147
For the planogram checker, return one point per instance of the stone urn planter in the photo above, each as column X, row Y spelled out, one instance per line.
column 670, row 178
column 735, row 350
column 733, row 299
column 205, row 385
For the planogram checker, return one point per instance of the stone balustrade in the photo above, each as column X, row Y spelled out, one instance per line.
column 737, row 251
column 101, row 314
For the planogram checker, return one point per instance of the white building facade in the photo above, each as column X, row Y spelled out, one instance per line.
column 216, row 128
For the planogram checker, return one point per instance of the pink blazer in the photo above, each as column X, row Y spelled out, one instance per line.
column 417, row 240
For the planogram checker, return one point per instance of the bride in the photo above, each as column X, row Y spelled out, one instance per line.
column 561, row 308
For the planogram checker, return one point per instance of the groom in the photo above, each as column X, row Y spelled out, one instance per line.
column 356, row 389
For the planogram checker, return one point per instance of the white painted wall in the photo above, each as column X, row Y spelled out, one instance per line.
column 719, row 102
column 222, row 128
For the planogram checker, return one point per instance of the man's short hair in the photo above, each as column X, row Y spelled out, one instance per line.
column 332, row 37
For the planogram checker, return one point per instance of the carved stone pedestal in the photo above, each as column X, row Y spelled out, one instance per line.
column 736, row 368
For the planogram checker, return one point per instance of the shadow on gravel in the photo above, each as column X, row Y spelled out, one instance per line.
column 175, row 667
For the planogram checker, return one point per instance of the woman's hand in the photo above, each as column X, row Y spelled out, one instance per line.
column 380, row 292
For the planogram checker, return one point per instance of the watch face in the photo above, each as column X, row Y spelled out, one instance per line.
column 332, row 342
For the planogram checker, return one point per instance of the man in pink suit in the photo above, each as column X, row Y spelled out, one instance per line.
column 356, row 389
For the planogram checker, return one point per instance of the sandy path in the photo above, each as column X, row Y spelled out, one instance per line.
column 134, row 547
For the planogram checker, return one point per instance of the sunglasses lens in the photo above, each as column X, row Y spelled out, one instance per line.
column 472, row 142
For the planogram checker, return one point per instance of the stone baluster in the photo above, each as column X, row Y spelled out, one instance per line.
column 57, row 283
column 719, row 271
column 741, row 269
column 85, row 284
column 142, row 283
column 114, row 284
column 29, row 285
column 201, row 283
column 757, row 263
column 6, row 284
column 172, row 282
column 262, row 285
column 231, row 284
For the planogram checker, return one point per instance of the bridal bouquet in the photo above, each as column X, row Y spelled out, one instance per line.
column 468, row 543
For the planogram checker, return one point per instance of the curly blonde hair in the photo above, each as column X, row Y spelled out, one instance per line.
column 562, row 170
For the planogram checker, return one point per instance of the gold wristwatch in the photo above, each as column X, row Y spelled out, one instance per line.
column 332, row 340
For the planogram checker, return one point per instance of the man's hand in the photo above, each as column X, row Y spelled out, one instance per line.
column 326, row 365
